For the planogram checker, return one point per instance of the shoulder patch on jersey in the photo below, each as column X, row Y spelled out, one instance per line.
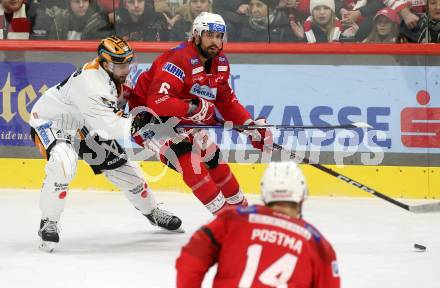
column 316, row 235
column 247, row 210
column 222, row 59
column 197, row 70
column 203, row 91
column 174, row 70
column 222, row 68
column 194, row 61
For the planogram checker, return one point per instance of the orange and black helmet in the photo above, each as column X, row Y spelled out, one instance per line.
column 114, row 49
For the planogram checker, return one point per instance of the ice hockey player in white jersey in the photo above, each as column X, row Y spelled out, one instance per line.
column 83, row 108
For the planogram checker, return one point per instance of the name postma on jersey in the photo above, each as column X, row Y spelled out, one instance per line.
column 174, row 70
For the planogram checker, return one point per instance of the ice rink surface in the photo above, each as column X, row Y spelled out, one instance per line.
column 105, row 242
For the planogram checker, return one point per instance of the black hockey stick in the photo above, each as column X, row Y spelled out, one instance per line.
column 225, row 126
column 421, row 208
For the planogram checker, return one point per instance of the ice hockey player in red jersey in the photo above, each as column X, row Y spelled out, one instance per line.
column 190, row 82
column 262, row 246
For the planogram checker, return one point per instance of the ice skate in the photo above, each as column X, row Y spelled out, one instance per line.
column 165, row 220
column 49, row 235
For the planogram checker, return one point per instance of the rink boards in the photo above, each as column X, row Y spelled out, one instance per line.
column 395, row 181
column 398, row 95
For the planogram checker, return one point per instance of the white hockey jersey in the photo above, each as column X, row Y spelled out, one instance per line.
column 87, row 98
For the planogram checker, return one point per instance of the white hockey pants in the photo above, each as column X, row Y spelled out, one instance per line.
column 61, row 169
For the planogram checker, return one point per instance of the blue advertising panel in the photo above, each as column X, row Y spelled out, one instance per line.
column 21, row 83
column 401, row 103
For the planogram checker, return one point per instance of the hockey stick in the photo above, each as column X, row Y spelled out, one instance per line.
column 422, row 208
column 353, row 125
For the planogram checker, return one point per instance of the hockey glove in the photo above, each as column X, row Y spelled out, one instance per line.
column 201, row 112
column 261, row 138
column 140, row 120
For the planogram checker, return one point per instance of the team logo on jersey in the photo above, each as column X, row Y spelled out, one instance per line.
column 222, row 59
column 174, row 70
column 194, row 61
column 203, row 91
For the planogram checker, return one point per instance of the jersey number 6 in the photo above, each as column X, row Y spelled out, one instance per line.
column 277, row 274
column 164, row 88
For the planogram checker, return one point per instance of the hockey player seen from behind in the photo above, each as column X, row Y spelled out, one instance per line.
column 85, row 104
column 190, row 82
column 262, row 246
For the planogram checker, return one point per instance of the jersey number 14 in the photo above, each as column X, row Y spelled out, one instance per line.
column 276, row 275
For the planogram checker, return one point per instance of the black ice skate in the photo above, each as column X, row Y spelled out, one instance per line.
column 165, row 220
column 49, row 235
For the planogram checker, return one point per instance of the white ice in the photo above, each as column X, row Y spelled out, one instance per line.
column 105, row 242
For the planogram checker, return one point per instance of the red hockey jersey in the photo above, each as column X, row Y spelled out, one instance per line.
column 258, row 247
column 178, row 76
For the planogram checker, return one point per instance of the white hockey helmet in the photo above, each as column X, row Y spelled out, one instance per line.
column 206, row 21
column 283, row 182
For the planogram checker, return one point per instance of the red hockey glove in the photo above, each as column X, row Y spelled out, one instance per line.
column 262, row 138
column 201, row 112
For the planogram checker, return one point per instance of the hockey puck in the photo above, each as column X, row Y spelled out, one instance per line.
column 420, row 247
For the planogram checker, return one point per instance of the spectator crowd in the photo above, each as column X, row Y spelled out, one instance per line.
column 307, row 21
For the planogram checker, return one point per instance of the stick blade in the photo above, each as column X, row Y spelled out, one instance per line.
column 426, row 208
